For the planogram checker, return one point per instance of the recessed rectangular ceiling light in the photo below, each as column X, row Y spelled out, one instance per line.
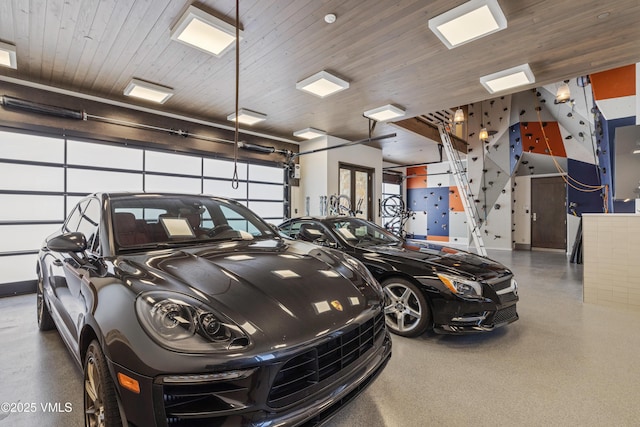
column 309, row 133
column 508, row 79
column 384, row 113
column 467, row 22
column 247, row 117
column 203, row 31
column 149, row 91
column 322, row 84
column 8, row 55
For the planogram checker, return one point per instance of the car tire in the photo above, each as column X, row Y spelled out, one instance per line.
column 100, row 400
column 45, row 321
column 406, row 310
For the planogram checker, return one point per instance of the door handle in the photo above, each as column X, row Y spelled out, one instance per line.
column 535, row 217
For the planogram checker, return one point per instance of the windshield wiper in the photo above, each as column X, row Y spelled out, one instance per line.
column 162, row 245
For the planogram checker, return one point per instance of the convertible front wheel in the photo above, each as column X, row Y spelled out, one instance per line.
column 100, row 401
column 405, row 308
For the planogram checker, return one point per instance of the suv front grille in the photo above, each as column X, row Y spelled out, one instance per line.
column 196, row 405
column 299, row 374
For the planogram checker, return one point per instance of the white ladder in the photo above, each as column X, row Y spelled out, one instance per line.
column 464, row 190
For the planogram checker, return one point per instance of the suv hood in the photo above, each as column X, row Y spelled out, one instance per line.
column 285, row 292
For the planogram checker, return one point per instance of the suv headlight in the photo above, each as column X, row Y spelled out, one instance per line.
column 461, row 286
column 182, row 323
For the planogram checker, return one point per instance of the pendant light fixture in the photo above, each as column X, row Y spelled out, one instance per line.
column 483, row 135
column 458, row 117
column 563, row 94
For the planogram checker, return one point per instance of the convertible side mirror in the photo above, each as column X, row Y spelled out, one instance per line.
column 68, row 242
column 323, row 241
column 274, row 227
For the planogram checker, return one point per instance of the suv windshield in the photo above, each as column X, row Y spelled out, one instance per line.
column 357, row 232
column 152, row 221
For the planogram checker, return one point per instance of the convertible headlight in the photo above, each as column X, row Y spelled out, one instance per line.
column 461, row 286
column 182, row 323
column 359, row 267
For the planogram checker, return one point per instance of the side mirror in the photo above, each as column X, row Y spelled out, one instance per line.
column 273, row 227
column 323, row 241
column 69, row 242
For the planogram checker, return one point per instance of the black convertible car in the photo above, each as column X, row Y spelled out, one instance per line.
column 192, row 311
column 425, row 286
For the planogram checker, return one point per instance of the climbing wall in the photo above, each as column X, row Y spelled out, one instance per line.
column 416, row 201
column 434, row 199
column 489, row 169
column 530, row 135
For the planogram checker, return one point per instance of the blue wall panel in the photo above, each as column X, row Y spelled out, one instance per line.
column 437, row 208
column 417, row 199
column 515, row 142
column 579, row 202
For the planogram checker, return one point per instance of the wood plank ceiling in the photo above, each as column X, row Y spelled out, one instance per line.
column 383, row 48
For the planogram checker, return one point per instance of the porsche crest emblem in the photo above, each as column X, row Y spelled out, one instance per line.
column 336, row 304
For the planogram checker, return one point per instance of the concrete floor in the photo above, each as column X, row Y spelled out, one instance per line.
column 564, row 363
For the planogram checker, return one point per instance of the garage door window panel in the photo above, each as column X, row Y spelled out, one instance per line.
column 266, row 174
column 31, row 148
column 173, row 163
column 216, row 168
column 267, row 210
column 26, row 207
column 172, row 184
column 224, row 189
column 19, row 177
column 87, row 181
column 103, row 156
column 265, row 191
column 27, row 237
column 18, row 268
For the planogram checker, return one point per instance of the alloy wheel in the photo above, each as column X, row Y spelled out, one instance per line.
column 94, row 407
column 402, row 308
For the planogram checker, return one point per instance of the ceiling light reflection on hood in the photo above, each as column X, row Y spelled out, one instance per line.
column 321, row 307
column 238, row 257
column 329, row 273
column 286, row 274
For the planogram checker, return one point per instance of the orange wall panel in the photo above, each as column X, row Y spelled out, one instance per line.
column 455, row 202
column 533, row 138
column 438, row 238
column 417, row 181
column 614, row 83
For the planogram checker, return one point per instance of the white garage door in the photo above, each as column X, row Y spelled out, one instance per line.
column 42, row 177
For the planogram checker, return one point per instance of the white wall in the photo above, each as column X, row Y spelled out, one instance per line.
column 313, row 178
column 319, row 172
column 522, row 208
column 360, row 155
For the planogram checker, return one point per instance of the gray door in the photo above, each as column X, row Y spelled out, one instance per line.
column 548, row 213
